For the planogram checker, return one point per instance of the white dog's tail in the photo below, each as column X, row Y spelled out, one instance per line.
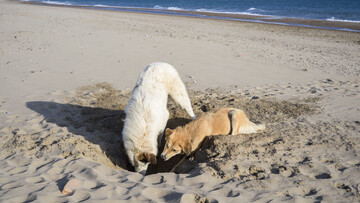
column 241, row 124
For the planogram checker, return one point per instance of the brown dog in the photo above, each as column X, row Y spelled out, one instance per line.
column 225, row 121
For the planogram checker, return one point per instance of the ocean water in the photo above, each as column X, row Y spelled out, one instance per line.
column 331, row 10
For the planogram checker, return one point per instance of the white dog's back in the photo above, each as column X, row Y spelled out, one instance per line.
column 147, row 114
column 157, row 77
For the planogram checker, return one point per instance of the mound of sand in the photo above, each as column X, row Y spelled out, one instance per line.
column 94, row 119
column 296, row 148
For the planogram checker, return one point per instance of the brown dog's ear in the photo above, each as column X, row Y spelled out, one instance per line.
column 147, row 157
column 168, row 132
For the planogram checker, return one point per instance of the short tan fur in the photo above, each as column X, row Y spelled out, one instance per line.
column 225, row 121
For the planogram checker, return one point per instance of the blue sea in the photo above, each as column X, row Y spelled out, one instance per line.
column 329, row 10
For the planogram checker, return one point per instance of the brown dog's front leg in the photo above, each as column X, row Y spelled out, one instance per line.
column 178, row 164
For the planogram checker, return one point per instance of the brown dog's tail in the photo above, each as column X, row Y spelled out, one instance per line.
column 241, row 124
column 258, row 127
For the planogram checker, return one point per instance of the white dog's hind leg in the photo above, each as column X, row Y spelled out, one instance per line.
column 180, row 96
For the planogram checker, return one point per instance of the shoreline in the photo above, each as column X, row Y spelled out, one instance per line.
column 275, row 20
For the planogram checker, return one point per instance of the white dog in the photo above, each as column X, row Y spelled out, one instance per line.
column 147, row 114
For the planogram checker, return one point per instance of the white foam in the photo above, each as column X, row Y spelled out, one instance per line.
column 228, row 12
column 252, row 9
column 159, row 7
column 175, row 8
column 168, row 8
column 58, row 3
column 101, row 5
column 202, row 10
column 340, row 20
column 206, row 10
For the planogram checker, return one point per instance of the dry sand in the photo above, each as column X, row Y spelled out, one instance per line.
column 66, row 76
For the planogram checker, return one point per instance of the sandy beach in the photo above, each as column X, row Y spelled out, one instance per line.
column 66, row 75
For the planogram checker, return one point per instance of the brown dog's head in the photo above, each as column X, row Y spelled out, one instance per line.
column 176, row 142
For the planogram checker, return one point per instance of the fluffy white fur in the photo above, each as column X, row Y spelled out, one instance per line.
column 147, row 114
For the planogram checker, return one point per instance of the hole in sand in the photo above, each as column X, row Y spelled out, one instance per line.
column 94, row 119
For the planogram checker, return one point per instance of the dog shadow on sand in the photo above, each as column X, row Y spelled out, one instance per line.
column 102, row 127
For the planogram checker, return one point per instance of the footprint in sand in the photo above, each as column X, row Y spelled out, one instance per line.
column 135, row 177
column 34, row 180
column 192, row 198
column 119, row 193
column 17, row 170
column 224, row 192
column 55, row 171
column 23, row 198
column 159, row 194
column 79, row 196
column 94, row 185
column 11, row 185
column 283, row 170
column 154, row 180
column 317, row 172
